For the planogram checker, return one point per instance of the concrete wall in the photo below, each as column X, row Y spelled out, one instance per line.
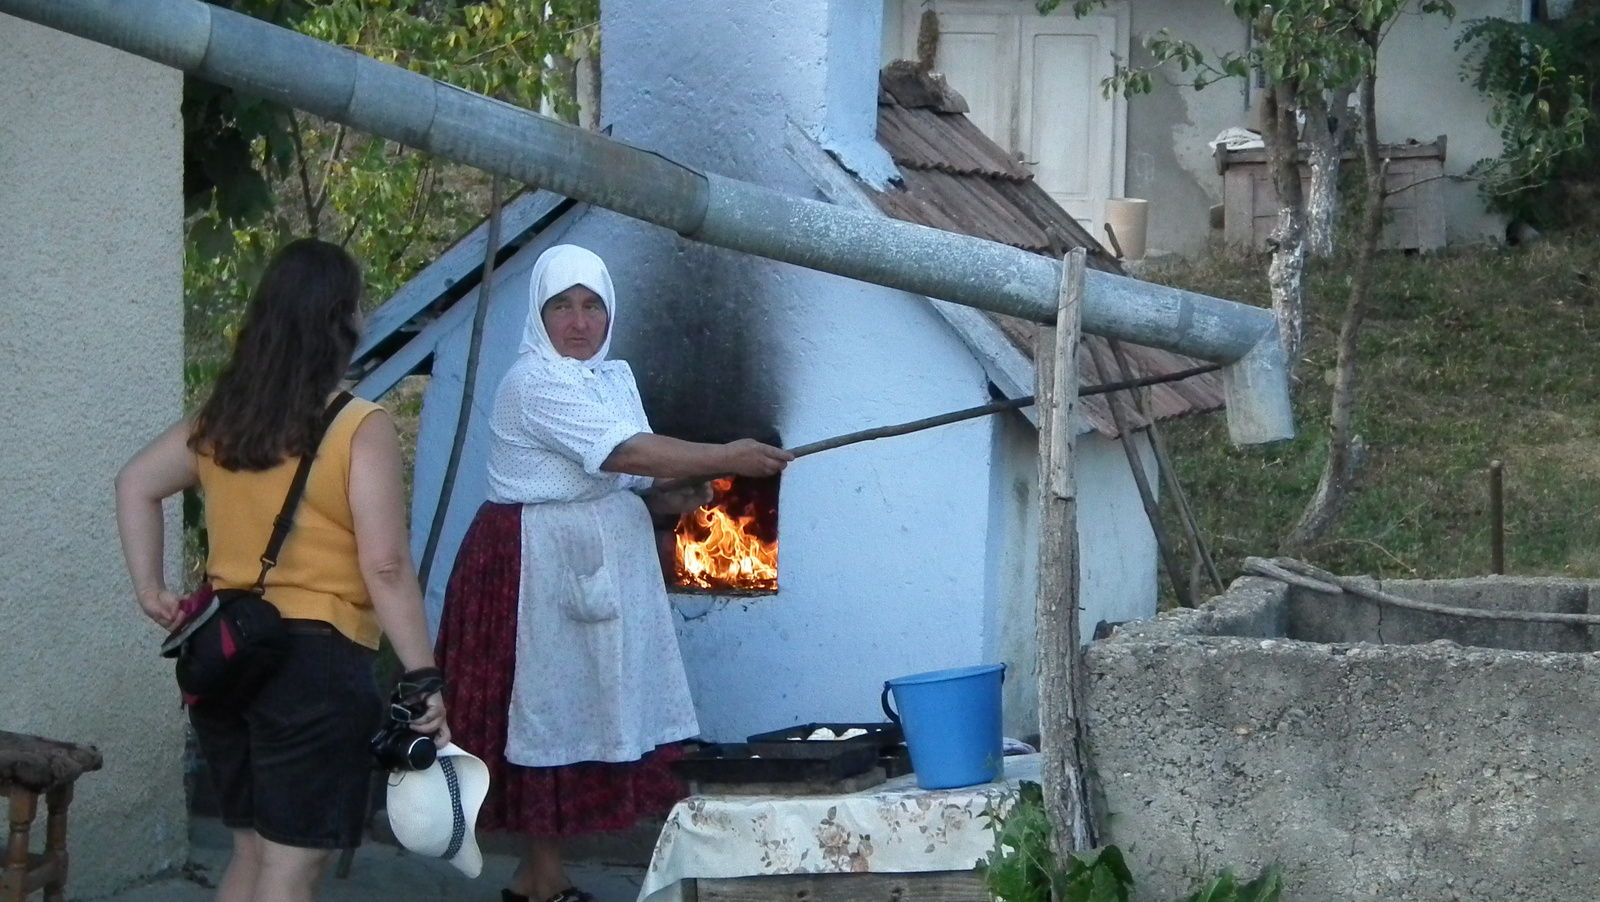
column 1424, row 771
column 91, row 352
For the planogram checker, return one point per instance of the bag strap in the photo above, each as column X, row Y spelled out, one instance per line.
column 285, row 519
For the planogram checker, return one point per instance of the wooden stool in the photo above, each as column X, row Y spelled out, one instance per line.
column 31, row 767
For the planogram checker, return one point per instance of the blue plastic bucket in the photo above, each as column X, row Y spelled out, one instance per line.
column 951, row 720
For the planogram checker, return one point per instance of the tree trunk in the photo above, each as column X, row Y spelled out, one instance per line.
column 1286, row 273
column 1345, row 449
column 1326, row 126
column 588, row 85
column 1061, row 700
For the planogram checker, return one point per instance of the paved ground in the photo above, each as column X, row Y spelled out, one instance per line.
column 384, row 873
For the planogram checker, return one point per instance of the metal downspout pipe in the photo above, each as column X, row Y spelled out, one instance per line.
column 338, row 84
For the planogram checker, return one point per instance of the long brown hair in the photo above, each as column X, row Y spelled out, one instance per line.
column 292, row 350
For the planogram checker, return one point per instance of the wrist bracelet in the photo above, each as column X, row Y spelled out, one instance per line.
column 422, row 681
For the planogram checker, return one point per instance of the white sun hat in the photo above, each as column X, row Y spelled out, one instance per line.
column 433, row 812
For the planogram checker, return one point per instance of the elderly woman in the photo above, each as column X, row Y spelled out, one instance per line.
column 565, row 670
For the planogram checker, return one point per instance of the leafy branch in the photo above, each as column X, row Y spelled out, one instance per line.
column 1023, row 867
column 1541, row 82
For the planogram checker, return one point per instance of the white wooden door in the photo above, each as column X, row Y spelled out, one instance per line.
column 1064, row 122
column 1034, row 85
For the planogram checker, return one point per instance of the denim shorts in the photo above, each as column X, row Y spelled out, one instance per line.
column 294, row 765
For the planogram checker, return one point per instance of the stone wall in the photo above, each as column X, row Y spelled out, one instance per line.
column 1431, row 770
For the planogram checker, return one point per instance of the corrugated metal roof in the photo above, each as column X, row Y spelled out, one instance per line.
column 958, row 180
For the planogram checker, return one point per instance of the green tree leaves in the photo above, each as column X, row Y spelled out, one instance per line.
column 257, row 174
column 1542, row 82
column 1022, row 867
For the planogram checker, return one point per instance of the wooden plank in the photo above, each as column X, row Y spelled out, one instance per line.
column 408, row 358
column 1239, row 209
column 523, row 215
column 413, row 353
column 1415, row 211
column 932, row 886
column 856, row 783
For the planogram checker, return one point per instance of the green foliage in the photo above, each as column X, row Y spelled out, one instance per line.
column 1023, row 866
column 234, row 143
column 1267, row 887
column 1542, row 81
column 264, row 175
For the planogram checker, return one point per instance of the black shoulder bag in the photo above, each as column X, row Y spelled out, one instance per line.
column 231, row 641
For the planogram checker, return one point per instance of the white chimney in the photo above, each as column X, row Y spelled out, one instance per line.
column 715, row 83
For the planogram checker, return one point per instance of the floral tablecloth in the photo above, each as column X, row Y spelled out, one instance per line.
column 893, row 827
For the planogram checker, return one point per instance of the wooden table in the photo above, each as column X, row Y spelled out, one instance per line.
column 890, row 843
column 30, row 767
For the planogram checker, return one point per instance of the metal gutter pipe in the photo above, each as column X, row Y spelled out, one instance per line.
column 385, row 100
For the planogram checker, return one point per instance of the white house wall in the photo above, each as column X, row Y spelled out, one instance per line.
column 91, row 351
column 1421, row 96
column 1116, row 553
column 1168, row 160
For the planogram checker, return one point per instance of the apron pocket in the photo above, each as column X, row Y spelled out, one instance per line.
column 592, row 598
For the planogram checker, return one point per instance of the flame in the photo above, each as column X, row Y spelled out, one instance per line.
column 719, row 550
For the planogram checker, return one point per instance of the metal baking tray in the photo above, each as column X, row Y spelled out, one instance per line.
column 739, row 763
column 792, row 742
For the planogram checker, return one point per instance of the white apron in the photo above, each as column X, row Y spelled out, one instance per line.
column 599, row 676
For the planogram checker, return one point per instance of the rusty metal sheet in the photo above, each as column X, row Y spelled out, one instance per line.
column 958, row 180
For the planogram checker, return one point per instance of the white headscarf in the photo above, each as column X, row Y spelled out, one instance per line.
column 556, row 270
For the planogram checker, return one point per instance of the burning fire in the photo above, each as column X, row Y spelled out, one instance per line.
column 718, row 548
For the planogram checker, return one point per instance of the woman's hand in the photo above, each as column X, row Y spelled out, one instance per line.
column 748, row 457
column 161, row 606
column 679, row 499
column 431, row 721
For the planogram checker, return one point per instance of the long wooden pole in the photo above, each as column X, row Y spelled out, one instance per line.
column 945, row 419
column 1060, row 671
column 469, row 384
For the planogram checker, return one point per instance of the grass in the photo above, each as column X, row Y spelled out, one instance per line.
column 1467, row 356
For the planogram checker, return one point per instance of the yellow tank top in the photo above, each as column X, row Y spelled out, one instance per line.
column 317, row 576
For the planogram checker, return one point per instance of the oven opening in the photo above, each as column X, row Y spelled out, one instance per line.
column 730, row 546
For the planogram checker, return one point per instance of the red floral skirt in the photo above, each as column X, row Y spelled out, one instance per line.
column 476, row 649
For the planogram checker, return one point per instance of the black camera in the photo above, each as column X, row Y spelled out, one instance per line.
column 398, row 747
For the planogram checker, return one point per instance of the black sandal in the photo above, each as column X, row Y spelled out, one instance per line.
column 570, row 894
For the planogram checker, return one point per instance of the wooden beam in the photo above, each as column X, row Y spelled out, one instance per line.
column 1060, row 670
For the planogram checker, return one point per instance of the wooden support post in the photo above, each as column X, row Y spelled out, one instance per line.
column 22, row 807
column 1060, row 669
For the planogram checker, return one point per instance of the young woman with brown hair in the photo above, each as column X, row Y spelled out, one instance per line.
column 292, row 767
